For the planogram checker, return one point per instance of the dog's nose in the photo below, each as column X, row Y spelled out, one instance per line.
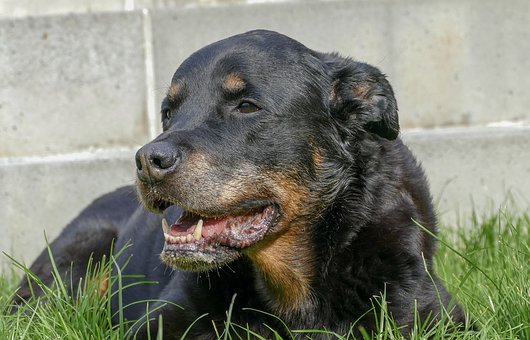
column 154, row 161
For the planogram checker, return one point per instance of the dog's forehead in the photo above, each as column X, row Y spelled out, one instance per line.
column 251, row 50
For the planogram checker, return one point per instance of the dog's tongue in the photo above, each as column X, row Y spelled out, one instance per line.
column 187, row 224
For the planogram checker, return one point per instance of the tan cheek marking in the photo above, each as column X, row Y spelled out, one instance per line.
column 234, row 83
column 296, row 199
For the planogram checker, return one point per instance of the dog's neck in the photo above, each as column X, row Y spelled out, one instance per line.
column 285, row 270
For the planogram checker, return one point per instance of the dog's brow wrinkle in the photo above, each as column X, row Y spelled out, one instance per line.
column 234, row 83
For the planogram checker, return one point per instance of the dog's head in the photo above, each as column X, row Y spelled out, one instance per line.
column 257, row 132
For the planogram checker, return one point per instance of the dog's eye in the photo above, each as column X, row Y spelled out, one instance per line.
column 166, row 114
column 247, row 107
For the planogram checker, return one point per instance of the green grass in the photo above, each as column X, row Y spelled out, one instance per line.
column 485, row 265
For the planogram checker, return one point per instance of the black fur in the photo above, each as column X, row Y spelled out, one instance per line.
column 324, row 131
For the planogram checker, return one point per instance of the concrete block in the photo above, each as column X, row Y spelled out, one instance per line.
column 452, row 63
column 43, row 196
column 21, row 8
column 71, row 83
column 480, row 169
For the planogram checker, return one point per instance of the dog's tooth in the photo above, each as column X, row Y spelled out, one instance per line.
column 165, row 226
column 182, row 239
column 189, row 238
column 198, row 230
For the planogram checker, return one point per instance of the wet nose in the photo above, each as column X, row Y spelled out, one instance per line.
column 154, row 161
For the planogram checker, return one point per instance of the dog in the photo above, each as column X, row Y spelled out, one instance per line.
column 279, row 184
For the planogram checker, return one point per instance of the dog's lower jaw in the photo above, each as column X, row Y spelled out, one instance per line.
column 284, row 273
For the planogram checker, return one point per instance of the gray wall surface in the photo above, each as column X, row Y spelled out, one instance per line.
column 80, row 92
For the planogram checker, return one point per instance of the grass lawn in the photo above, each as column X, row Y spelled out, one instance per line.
column 485, row 265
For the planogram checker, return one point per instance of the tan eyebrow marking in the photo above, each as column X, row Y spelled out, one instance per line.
column 175, row 90
column 234, row 83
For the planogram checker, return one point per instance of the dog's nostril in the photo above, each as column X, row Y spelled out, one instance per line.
column 158, row 163
column 163, row 161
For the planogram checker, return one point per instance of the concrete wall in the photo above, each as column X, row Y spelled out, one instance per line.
column 79, row 92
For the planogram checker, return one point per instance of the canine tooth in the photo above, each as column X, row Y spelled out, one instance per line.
column 182, row 239
column 198, row 230
column 189, row 238
column 165, row 226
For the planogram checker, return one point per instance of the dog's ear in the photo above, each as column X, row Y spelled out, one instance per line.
column 361, row 96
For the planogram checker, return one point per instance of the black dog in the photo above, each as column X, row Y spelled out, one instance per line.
column 279, row 177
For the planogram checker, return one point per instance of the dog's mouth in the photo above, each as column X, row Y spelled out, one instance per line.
column 200, row 242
